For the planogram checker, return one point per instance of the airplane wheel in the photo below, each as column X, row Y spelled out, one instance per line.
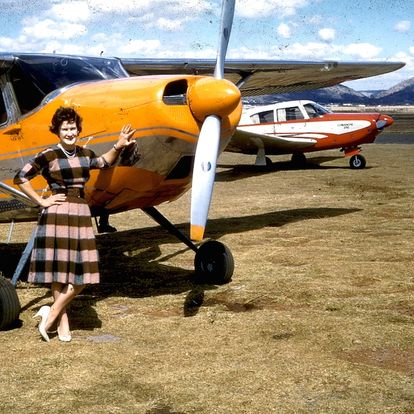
column 298, row 159
column 213, row 263
column 357, row 162
column 269, row 162
column 9, row 303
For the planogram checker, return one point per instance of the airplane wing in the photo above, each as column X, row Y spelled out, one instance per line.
column 255, row 77
column 249, row 142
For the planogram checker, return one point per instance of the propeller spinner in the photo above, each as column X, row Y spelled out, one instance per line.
column 223, row 97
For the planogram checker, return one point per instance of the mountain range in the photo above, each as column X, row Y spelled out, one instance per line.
column 400, row 94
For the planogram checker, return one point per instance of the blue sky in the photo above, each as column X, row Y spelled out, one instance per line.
column 345, row 30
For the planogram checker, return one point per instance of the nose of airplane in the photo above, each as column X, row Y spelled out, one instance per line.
column 384, row 121
column 211, row 96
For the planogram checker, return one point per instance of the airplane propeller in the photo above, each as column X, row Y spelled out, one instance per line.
column 223, row 96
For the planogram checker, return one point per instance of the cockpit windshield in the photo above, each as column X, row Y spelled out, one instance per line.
column 314, row 110
column 35, row 76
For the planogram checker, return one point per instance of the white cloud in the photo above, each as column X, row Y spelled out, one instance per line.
column 192, row 8
column 246, row 53
column 327, row 34
column 403, row 26
column 284, row 30
column 174, row 12
column 7, row 43
column 310, row 50
column 259, row 8
column 62, row 48
column 49, row 29
column 110, row 6
column 314, row 20
column 362, row 50
column 295, row 51
column 73, row 11
column 139, row 47
column 169, row 24
column 411, row 49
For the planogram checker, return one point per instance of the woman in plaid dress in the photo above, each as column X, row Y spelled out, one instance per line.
column 64, row 253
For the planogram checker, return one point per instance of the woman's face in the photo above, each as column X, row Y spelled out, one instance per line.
column 68, row 134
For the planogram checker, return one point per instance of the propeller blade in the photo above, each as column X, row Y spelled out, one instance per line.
column 204, row 171
column 227, row 14
column 208, row 144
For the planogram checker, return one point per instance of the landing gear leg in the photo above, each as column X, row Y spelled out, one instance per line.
column 213, row 261
column 262, row 160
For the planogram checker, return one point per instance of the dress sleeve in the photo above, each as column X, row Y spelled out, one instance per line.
column 96, row 162
column 32, row 168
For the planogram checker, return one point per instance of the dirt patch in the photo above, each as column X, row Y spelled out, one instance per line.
column 394, row 359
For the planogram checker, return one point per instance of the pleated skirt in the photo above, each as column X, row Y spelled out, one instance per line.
column 65, row 248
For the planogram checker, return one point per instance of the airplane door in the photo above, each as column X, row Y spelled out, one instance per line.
column 286, row 114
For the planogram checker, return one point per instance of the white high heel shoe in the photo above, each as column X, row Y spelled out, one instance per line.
column 64, row 337
column 43, row 312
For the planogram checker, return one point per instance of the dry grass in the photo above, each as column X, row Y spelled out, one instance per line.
column 318, row 316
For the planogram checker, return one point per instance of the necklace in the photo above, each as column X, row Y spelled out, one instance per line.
column 69, row 154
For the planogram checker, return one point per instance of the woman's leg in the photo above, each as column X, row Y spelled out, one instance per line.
column 62, row 320
column 62, row 296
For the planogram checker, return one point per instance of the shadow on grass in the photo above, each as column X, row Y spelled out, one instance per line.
column 132, row 264
column 235, row 172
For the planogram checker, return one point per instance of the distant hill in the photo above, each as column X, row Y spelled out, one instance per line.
column 400, row 94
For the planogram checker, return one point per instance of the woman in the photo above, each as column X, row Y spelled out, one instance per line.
column 64, row 252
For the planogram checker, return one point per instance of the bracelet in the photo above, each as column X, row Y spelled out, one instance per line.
column 117, row 149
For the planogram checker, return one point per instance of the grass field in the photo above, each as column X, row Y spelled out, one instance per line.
column 318, row 317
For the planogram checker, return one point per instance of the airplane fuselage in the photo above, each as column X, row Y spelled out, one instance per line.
column 167, row 133
column 303, row 126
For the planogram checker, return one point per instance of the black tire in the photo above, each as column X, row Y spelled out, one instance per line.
column 213, row 263
column 298, row 159
column 269, row 162
column 357, row 162
column 9, row 303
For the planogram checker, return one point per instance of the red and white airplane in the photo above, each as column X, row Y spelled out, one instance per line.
column 297, row 127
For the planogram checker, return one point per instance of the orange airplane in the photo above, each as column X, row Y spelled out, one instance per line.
column 183, row 116
column 297, row 127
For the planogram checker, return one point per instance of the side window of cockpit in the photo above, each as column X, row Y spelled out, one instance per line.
column 27, row 94
column 266, row 116
column 255, row 119
column 293, row 113
column 311, row 111
column 3, row 112
column 315, row 111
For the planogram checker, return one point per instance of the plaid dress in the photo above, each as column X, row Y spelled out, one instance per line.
column 64, row 249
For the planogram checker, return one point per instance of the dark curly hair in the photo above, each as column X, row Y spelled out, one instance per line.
column 65, row 114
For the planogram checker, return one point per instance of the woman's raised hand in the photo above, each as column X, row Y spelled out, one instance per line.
column 125, row 137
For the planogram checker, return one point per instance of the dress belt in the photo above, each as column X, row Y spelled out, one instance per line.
column 70, row 192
